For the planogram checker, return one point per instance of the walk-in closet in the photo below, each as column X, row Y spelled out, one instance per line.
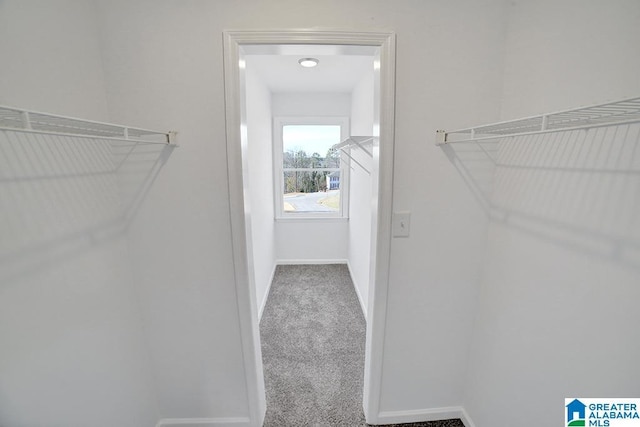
column 221, row 213
column 310, row 188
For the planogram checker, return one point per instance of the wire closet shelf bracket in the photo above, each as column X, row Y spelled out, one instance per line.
column 358, row 142
column 20, row 120
column 621, row 112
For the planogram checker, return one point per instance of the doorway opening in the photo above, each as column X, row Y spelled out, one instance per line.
column 342, row 195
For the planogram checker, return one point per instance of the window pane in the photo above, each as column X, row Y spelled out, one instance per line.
column 316, row 191
column 309, row 146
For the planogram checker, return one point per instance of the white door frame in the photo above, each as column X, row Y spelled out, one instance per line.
column 381, row 224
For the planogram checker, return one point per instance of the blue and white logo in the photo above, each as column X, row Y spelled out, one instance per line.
column 576, row 413
column 602, row 412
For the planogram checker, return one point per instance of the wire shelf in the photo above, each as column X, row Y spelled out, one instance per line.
column 612, row 113
column 20, row 120
column 355, row 142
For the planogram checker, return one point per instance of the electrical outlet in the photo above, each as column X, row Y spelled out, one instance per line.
column 401, row 224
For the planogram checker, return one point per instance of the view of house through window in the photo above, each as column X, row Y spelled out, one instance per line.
column 310, row 168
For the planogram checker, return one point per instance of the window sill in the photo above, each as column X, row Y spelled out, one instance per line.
column 311, row 219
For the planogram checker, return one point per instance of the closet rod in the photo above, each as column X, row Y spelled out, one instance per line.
column 20, row 120
column 625, row 111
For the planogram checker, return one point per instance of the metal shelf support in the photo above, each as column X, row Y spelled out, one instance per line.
column 355, row 141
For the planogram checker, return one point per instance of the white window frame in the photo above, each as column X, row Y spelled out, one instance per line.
column 278, row 170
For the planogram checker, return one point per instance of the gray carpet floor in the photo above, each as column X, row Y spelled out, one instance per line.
column 313, row 338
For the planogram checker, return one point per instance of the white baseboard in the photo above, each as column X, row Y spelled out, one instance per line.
column 420, row 415
column 385, row 417
column 266, row 294
column 355, row 285
column 204, row 422
column 466, row 419
column 310, row 261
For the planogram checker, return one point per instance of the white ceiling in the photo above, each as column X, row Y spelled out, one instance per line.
column 340, row 68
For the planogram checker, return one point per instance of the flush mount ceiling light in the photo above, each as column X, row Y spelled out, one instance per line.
column 308, row 62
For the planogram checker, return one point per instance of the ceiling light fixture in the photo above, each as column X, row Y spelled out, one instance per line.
column 308, row 62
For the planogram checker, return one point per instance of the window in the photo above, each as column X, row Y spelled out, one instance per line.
column 310, row 177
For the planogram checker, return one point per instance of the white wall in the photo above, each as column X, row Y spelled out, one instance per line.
column 162, row 66
column 361, row 187
column 568, row 54
column 73, row 348
column 311, row 104
column 260, row 168
column 311, row 240
column 557, row 315
column 51, row 58
column 447, row 76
